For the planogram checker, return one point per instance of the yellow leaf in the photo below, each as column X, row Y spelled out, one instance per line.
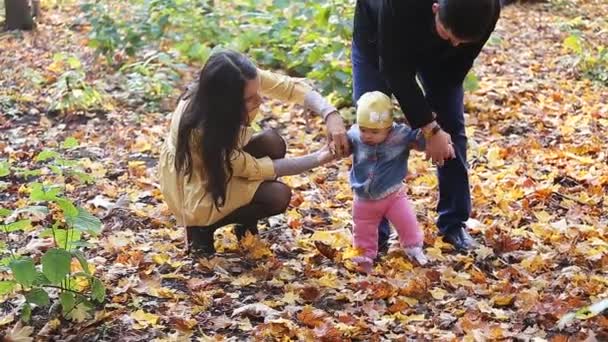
column 350, row 252
column 161, row 259
column 329, row 280
column 503, row 300
column 483, row 252
column 244, row 280
column 80, row 283
column 141, row 145
column 400, row 264
column 410, row 301
column 494, row 157
column 434, row 254
column 441, row 245
column 340, row 238
column 438, row 293
column 20, row 333
column 542, row 216
column 255, row 247
column 245, row 324
column 79, row 314
column 7, row 319
column 144, row 319
column 406, row 319
column 290, row 298
column 497, row 313
column 534, row 263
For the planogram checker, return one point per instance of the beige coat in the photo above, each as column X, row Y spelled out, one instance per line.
column 189, row 201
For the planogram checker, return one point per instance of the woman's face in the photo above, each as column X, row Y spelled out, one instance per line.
column 252, row 99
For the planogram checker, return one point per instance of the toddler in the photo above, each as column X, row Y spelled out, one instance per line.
column 380, row 153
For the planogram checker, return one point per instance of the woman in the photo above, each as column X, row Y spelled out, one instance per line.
column 213, row 170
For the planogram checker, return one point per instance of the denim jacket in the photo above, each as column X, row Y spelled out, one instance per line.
column 379, row 170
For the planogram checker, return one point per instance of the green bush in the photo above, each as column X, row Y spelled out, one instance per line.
column 306, row 38
column 50, row 279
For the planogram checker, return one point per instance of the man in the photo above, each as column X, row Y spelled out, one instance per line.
column 394, row 42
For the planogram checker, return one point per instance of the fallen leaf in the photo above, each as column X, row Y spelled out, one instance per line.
column 311, row 317
column 257, row 310
column 20, row 333
column 144, row 319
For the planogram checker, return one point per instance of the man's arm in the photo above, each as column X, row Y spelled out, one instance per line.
column 397, row 66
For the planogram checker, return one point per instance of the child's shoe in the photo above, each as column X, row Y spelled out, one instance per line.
column 364, row 264
column 416, row 253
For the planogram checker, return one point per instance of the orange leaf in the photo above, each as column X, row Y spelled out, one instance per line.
column 311, row 317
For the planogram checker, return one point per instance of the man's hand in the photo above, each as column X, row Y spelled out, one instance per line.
column 336, row 134
column 439, row 148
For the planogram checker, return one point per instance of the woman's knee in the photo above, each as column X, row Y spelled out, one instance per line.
column 275, row 144
column 275, row 196
column 267, row 144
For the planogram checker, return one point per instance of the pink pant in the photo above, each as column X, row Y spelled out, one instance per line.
column 367, row 215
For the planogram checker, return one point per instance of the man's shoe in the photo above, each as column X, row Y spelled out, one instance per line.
column 467, row 239
column 460, row 239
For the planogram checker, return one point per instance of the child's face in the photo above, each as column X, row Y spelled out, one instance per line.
column 374, row 136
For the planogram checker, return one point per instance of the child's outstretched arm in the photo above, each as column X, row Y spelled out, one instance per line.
column 297, row 165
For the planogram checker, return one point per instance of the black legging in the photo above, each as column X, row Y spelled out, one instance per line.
column 271, row 198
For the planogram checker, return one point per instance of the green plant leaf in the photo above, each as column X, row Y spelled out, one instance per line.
column 46, row 155
column 56, row 264
column 85, row 222
column 26, row 312
column 24, row 270
column 5, row 168
column 98, row 291
column 56, row 170
column 470, row 82
column 83, row 244
column 65, row 238
column 574, row 44
column 34, row 209
column 23, row 172
column 74, row 62
column 5, row 212
column 38, row 296
column 67, row 301
column 42, row 193
column 41, row 279
column 70, row 142
column 83, row 177
column 6, row 261
column 19, row 225
column 69, row 209
column 7, row 286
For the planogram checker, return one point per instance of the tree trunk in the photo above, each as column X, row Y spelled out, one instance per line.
column 18, row 15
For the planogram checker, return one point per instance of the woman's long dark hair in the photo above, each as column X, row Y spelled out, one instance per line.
column 217, row 109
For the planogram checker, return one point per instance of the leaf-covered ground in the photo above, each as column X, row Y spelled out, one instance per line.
column 539, row 175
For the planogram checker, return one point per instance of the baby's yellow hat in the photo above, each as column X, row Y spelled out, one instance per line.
column 374, row 110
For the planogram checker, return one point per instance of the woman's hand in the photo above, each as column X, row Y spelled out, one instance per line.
column 325, row 155
column 336, row 134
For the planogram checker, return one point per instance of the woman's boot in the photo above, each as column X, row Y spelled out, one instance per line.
column 241, row 229
column 200, row 240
